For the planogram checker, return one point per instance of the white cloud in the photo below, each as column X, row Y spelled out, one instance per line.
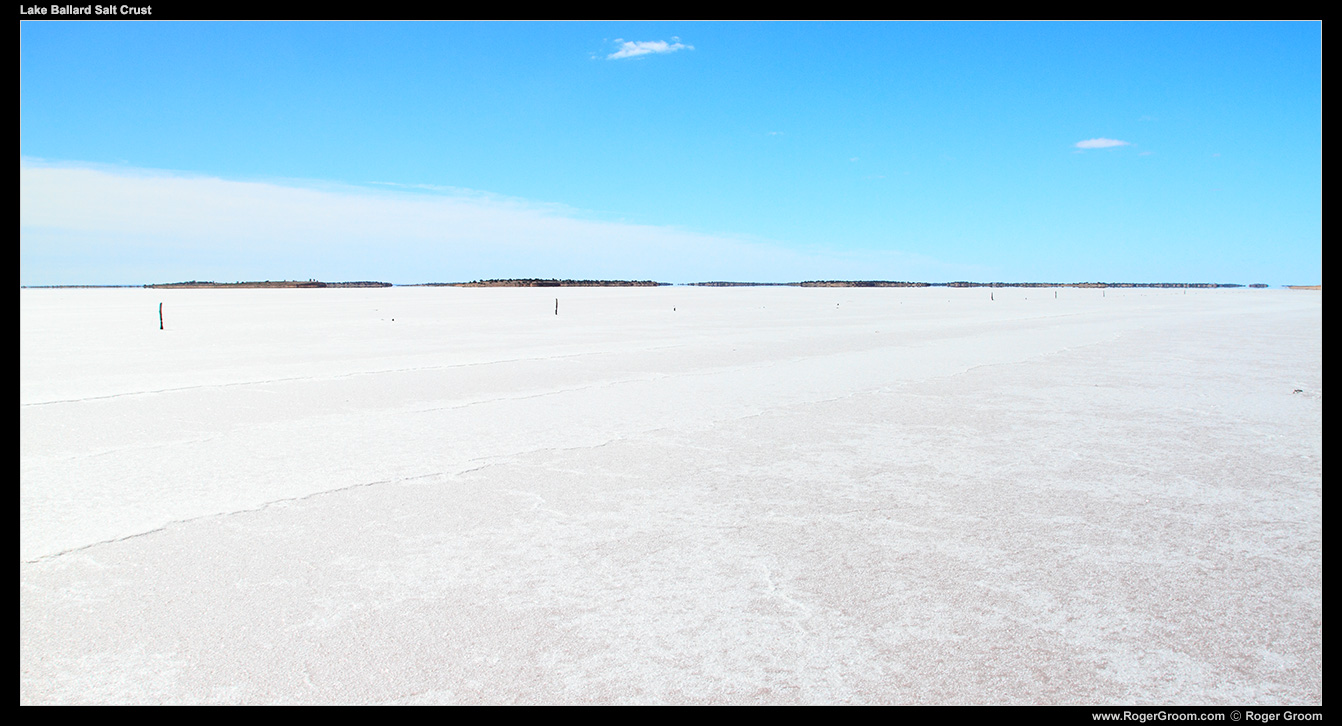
column 98, row 225
column 1101, row 143
column 634, row 48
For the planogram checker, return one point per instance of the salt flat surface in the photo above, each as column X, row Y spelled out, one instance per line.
column 763, row 495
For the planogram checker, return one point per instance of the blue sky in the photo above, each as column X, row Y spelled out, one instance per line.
column 674, row 151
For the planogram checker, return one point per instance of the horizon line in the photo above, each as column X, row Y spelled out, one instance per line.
column 574, row 282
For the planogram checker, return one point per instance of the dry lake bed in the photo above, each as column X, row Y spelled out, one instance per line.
column 671, row 495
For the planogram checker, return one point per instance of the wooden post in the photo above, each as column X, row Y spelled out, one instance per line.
column 160, row 316
column 556, row 306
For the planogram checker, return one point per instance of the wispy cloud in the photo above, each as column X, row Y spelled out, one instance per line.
column 1101, row 143
column 635, row 48
column 80, row 224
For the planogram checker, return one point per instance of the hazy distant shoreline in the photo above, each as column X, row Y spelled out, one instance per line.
column 553, row 282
